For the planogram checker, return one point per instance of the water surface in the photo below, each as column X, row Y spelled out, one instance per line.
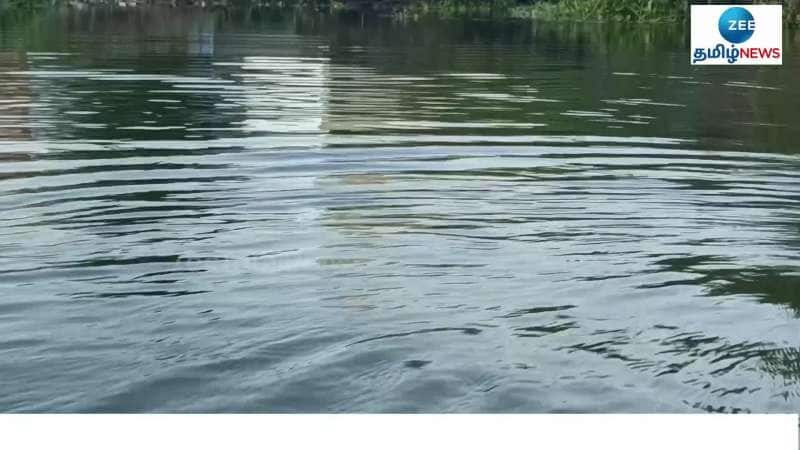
column 265, row 211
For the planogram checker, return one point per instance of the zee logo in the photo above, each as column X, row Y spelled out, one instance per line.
column 736, row 25
column 736, row 34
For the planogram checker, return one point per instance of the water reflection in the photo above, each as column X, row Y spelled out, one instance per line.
column 255, row 211
column 16, row 103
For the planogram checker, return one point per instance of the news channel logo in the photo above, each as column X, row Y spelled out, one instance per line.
column 736, row 35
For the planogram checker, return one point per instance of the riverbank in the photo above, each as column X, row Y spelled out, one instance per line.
column 551, row 10
column 555, row 10
column 642, row 11
column 604, row 10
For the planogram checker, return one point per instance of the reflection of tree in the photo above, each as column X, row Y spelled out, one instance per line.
column 769, row 284
column 132, row 88
column 775, row 285
column 117, row 79
column 699, row 360
column 783, row 363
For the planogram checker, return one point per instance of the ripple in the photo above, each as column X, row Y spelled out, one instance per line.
column 317, row 215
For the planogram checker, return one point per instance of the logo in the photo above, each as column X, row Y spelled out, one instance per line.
column 736, row 25
column 730, row 34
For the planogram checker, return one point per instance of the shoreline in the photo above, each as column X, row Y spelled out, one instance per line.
column 627, row 11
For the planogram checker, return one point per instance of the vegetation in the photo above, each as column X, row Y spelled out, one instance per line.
column 23, row 6
column 791, row 11
column 605, row 10
column 626, row 10
column 455, row 8
column 553, row 10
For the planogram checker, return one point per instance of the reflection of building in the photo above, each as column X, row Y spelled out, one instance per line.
column 283, row 94
column 311, row 95
column 15, row 98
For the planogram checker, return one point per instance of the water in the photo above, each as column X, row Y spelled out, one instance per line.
column 264, row 211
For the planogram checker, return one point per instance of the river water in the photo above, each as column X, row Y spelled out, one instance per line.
column 273, row 211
